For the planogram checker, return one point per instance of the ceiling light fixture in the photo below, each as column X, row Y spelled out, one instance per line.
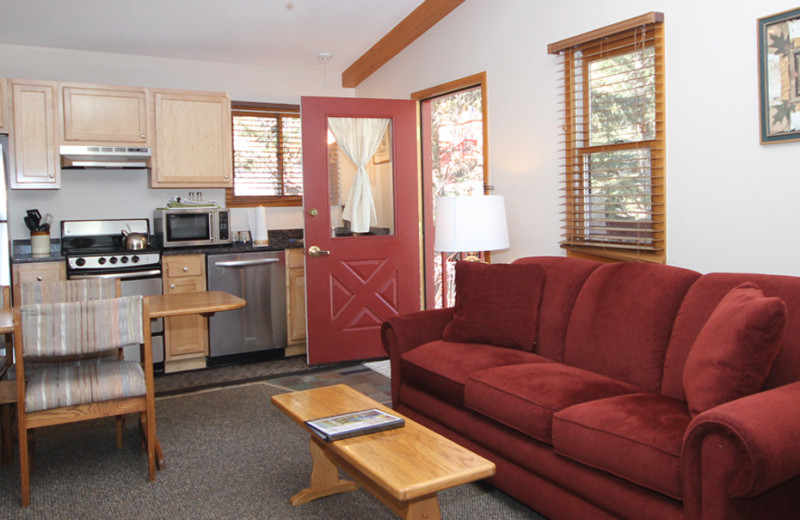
column 325, row 57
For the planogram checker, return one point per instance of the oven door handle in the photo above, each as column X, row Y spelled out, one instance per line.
column 242, row 263
column 121, row 276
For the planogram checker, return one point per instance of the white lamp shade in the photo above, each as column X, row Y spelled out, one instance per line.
column 471, row 224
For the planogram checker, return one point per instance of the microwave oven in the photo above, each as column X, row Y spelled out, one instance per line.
column 179, row 227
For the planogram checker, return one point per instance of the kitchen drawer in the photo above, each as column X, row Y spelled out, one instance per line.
column 184, row 265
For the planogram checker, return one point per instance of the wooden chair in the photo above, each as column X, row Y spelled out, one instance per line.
column 50, row 395
column 84, row 289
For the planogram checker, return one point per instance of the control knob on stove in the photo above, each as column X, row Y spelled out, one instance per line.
column 124, row 259
column 80, row 262
column 101, row 260
column 135, row 259
column 113, row 260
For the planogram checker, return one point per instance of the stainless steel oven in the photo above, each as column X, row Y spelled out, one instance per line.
column 95, row 248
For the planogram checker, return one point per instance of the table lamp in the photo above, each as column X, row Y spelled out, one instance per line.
column 470, row 225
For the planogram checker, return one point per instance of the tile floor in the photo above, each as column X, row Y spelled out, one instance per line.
column 359, row 377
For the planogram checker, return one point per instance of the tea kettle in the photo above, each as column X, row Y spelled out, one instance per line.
column 133, row 241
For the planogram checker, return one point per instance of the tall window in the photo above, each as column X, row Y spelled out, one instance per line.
column 613, row 109
column 453, row 164
column 267, row 156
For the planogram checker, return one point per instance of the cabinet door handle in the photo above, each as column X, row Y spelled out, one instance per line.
column 185, row 269
column 172, row 286
column 143, row 136
column 38, row 278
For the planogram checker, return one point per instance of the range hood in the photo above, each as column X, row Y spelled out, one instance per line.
column 105, row 157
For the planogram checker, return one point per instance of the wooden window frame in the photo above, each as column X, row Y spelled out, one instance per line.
column 233, row 201
column 573, row 179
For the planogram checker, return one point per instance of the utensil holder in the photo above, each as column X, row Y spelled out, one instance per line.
column 40, row 243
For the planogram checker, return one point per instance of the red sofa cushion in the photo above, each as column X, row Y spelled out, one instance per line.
column 700, row 302
column 637, row 437
column 622, row 321
column 442, row 368
column 497, row 304
column 524, row 397
column 563, row 279
column 735, row 350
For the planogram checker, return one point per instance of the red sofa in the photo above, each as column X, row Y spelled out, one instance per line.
column 593, row 420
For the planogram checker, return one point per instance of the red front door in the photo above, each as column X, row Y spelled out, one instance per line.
column 361, row 213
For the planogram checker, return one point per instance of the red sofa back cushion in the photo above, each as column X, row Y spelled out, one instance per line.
column 735, row 349
column 623, row 318
column 496, row 304
column 563, row 279
column 700, row 302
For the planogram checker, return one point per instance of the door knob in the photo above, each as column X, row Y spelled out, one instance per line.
column 315, row 251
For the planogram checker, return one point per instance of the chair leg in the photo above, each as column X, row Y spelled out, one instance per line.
column 8, row 433
column 120, row 427
column 24, row 469
column 159, row 453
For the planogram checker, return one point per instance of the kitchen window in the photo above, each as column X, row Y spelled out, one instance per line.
column 613, row 156
column 267, row 156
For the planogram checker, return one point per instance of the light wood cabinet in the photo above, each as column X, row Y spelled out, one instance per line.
column 98, row 114
column 193, row 142
column 36, row 272
column 185, row 337
column 35, row 158
column 295, row 297
column 4, row 107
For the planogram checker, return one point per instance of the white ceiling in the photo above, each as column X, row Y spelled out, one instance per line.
column 277, row 33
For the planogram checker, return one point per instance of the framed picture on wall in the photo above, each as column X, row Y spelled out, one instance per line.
column 779, row 76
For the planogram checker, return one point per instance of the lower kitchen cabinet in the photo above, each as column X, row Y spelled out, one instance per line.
column 185, row 337
column 295, row 301
column 36, row 272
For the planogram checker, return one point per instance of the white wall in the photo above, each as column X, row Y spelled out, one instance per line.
column 124, row 194
column 732, row 203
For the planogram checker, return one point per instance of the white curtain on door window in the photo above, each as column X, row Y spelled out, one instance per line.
column 359, row 138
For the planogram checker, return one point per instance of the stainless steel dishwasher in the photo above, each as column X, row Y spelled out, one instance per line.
column 259, row 278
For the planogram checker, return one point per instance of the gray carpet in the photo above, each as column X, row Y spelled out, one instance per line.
column 230, row 455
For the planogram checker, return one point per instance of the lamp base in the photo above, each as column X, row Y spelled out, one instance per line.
column 473, row 257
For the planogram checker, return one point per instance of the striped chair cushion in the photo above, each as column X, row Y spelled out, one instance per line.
column 68, row 291
column 60, row 329
column 56, row 385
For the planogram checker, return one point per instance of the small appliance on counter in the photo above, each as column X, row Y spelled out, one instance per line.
column 192, row 226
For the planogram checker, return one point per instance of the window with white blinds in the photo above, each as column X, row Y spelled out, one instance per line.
column 267, row 156
column 613, row 123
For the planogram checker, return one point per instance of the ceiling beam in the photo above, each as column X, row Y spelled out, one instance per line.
column 412, row 27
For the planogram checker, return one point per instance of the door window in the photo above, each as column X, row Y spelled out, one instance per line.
column 361, row 176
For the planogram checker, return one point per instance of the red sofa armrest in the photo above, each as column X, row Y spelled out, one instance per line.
column 400, row 334
column 739, row 450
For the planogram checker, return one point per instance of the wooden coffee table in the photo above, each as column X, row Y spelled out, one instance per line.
column 404, row 468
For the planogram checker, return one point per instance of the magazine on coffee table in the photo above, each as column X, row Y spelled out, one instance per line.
column 352, row 424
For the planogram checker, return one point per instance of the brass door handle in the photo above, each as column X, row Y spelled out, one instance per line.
column 315, row 251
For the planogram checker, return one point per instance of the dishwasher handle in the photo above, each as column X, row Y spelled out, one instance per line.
column 244, row 263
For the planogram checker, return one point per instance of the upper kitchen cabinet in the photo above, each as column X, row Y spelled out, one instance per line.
column 35, row 158
column 4, row 119
column 193, row 143
column 100, row 114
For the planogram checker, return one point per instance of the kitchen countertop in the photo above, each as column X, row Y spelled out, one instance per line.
column 279, row 240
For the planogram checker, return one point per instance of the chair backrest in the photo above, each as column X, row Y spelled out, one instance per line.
column 76, row 328
column 69, row 290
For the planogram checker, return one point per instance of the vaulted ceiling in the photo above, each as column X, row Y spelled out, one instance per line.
column 273, row 33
